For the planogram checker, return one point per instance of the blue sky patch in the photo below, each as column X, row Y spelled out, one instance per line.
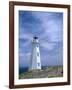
column 48, row 27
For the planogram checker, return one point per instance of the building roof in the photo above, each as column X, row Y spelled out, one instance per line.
column 35, row 37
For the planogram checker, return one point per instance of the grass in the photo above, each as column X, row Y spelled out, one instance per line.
column 45, row 72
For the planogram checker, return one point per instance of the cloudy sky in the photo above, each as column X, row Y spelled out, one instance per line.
column 48, row 27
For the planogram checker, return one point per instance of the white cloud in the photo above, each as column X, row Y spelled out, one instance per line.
column 50, row 30
column 47, row 45
column 25, row 35
column 24, row 59
column 28, row 54
column 51, row 26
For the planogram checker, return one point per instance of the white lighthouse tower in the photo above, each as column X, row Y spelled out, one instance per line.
column 35, row 62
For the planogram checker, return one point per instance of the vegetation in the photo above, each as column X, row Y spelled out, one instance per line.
column 45, row 72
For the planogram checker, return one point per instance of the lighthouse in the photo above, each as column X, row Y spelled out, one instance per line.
column 35, row 62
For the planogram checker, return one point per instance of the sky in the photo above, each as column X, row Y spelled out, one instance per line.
column 48, row 27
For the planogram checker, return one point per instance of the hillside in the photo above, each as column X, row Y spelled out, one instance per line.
column 46, row 72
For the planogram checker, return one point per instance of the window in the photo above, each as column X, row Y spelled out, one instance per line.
column 38, row 64
column 37, row 46
column 37, row 54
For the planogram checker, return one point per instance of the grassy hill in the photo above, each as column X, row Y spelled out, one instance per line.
column 45, row 72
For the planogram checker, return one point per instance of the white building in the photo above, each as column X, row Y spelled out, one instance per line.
column 35, row 62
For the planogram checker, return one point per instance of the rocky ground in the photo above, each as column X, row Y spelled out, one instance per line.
column 46, row 72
